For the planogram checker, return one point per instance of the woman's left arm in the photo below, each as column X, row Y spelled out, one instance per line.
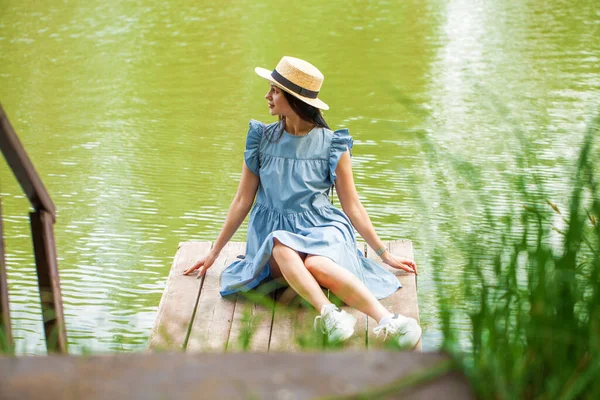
column 353, row 208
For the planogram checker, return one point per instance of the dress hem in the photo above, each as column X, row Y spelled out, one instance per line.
column 269, row 243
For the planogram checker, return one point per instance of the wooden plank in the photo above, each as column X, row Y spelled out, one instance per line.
column 179, row 298
column 253, row 319
column 407, row 304
column 284, row 323
column 20, row 164
column 214, row 315
column 293, row 326
column 228, row 376
column 7, row 345
column 48, row 281
column 404, row 301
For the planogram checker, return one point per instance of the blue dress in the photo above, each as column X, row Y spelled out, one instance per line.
column 292, row 205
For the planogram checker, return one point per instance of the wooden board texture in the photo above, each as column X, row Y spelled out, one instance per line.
column 178, row 300
column 260, row 320
column 225, row 376
column 404, row 301
column 214, row 315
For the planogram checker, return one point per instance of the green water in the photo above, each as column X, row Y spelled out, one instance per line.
column 135, row 116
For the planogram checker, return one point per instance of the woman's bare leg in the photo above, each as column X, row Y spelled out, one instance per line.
column 345, row 285
column 294, row 271
column 276, row 271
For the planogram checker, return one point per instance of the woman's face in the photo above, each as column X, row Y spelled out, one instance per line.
column 278, row 104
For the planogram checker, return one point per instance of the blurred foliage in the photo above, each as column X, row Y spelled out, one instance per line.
column 532, row 284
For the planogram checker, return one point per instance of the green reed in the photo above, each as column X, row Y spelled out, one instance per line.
column 531, row 285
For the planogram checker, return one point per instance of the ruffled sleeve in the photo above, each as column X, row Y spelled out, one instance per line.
column 340, row 142
column 252, row 152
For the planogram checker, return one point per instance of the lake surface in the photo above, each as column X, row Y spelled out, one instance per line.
column 135, row 115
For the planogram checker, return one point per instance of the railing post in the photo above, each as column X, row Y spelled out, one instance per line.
column 44, row 248
column 6, row 339
column 20, row 164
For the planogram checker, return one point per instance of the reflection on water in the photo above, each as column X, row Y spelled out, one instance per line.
column 135, row 116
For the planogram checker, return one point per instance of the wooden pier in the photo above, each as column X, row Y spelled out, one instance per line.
column 192, row 315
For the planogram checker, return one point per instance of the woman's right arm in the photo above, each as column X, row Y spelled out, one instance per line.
column 238, row 210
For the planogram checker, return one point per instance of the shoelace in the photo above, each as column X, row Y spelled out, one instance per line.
column 388, row 329
column 323, row 319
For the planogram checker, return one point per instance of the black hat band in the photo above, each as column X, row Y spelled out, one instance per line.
column 311, row 94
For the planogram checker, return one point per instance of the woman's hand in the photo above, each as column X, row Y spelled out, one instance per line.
column 402, row 263
column 202, row 264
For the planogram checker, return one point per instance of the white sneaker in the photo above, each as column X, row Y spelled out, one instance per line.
column 406, row 330
column 336, row 324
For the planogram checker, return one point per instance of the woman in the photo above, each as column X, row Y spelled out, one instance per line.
column 294, row 232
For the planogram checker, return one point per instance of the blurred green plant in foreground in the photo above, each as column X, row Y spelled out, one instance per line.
column 532, row 290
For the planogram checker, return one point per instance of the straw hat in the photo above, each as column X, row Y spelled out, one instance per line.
column 299, row 78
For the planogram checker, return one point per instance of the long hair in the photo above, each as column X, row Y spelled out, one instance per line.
column 305, row 111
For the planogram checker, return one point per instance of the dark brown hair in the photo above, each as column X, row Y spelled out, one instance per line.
column 304, row 110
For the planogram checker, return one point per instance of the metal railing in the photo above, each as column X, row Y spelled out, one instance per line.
column 42, row 220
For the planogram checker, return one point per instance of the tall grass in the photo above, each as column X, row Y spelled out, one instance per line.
column 532, row 289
